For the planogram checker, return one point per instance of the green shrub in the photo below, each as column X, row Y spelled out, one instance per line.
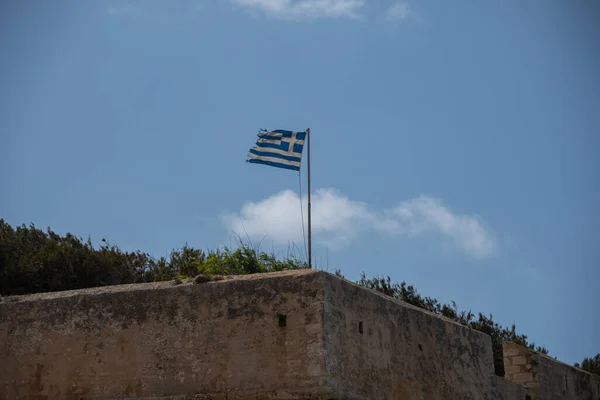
column 591, row 365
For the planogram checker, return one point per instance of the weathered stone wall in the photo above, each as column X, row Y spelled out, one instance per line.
column 546, row 378
column 159, row 339
column 379, row 348
column 290, row 335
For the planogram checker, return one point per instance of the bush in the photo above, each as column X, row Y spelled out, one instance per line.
column 33, row 261
column 591, row 365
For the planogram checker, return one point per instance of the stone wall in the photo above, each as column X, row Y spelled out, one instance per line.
column 546, row 378
column 380, row 348
column 291, row 335
column 154, row 340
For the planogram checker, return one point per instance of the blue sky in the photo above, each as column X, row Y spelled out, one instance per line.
column 454, row 144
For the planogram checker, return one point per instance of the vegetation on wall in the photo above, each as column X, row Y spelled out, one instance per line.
column 590, row 364
column 33, row 261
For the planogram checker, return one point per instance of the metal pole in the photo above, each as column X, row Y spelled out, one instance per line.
column 309, row 214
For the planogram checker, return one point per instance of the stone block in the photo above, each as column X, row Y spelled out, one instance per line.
column 523, row 377
column 519, row 360
column 533, row 384
column 513, row 369
column 510, row 351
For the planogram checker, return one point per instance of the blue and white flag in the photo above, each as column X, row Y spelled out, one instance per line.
column 278, row 148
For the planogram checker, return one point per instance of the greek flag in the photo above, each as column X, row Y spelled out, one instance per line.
column 278, row 148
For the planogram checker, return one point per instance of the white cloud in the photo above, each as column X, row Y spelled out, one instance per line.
column 338, row 220
column 310, row 9
column 398, row 11
column 426, row 214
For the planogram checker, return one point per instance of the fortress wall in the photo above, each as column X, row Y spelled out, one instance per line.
column 548, row 379
column 153, row 340
column 380, row 348
column 229, row 340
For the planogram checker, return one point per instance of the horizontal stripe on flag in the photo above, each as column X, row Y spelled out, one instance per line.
column 274, row 159
column 274, row 141
column 278, row 141
column 270, row 135
column 282, row 155
column 278, row 134
column 279, row 149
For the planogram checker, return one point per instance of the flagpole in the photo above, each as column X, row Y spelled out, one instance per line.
column 309, row 214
